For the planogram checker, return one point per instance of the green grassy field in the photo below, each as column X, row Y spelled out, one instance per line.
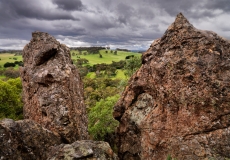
column 106, row 57
column 8, row 57
column 120, row 75
column 92, row 58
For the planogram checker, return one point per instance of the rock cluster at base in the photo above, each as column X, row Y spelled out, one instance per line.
column 85, row 149
column 52, row 88
column 178, row 102
column 25, row 139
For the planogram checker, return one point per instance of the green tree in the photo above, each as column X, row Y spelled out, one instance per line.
column 132, row 65
column 101, row 121
column 110, row 71
column 9, row 64
column 11, row 105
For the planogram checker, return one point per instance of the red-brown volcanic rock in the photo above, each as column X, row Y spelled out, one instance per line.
column 52, row 88
column 178, row 102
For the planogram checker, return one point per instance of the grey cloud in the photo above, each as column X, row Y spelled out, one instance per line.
column 219, row 4
column 193, row 9
column 115, row 22
column 69, row 4
column 14, row 9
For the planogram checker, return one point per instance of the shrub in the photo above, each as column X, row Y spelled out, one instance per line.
column 9, row 64
column 11, row 73
column 101, row 121
column 132, row 65
column 11, row 105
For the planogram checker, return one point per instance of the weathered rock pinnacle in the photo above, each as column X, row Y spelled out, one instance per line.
column 52, row 88
column 177, row 103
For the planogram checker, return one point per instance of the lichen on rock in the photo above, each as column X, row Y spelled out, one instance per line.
column 84, row 149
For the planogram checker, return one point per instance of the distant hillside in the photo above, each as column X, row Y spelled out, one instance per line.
column 138, row 51
column 10, row 51
column 108, row 56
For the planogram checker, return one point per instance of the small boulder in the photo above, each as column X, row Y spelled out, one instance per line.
column 85, row 149
column 25, row 139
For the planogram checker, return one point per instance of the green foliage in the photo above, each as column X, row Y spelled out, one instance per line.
column 132, row 65
column 10, row 99
column 106, row 58
column 101, row 121
column 110, row 71
column 81, row 61
column 100, row 88
column 9, row 64
column 101, row 94
column 169, row 157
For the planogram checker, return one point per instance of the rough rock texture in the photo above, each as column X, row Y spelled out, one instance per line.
column 25, row 140
column 178, row 102
column 90, row 150
column 52, row 88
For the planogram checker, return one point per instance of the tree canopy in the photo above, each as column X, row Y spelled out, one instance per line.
column 10, row 99
column 101, row 121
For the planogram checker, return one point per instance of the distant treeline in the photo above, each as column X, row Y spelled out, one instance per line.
column 93, row 50
column 125, row 50
column 19, row 52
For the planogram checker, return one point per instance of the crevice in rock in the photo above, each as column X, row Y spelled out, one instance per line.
column 44, row 56
column 205, row 131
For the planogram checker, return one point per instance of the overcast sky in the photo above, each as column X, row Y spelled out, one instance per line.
column 130, row 24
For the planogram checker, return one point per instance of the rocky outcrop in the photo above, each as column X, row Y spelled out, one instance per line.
column 25, row 139
column 84, row 149
column 178, row 102
column 52, row 88
column 54, row 109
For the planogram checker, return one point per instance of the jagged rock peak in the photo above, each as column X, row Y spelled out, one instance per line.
column 180, row 22
column 177, row 103
column 52, row 88
column 37, row 35
column 180, row 19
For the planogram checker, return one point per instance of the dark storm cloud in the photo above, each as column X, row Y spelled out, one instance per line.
column 69, row 4
column 107, row 22
column 192, row 9
column 219, row 4
column 14, row 9
column 173, row 7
